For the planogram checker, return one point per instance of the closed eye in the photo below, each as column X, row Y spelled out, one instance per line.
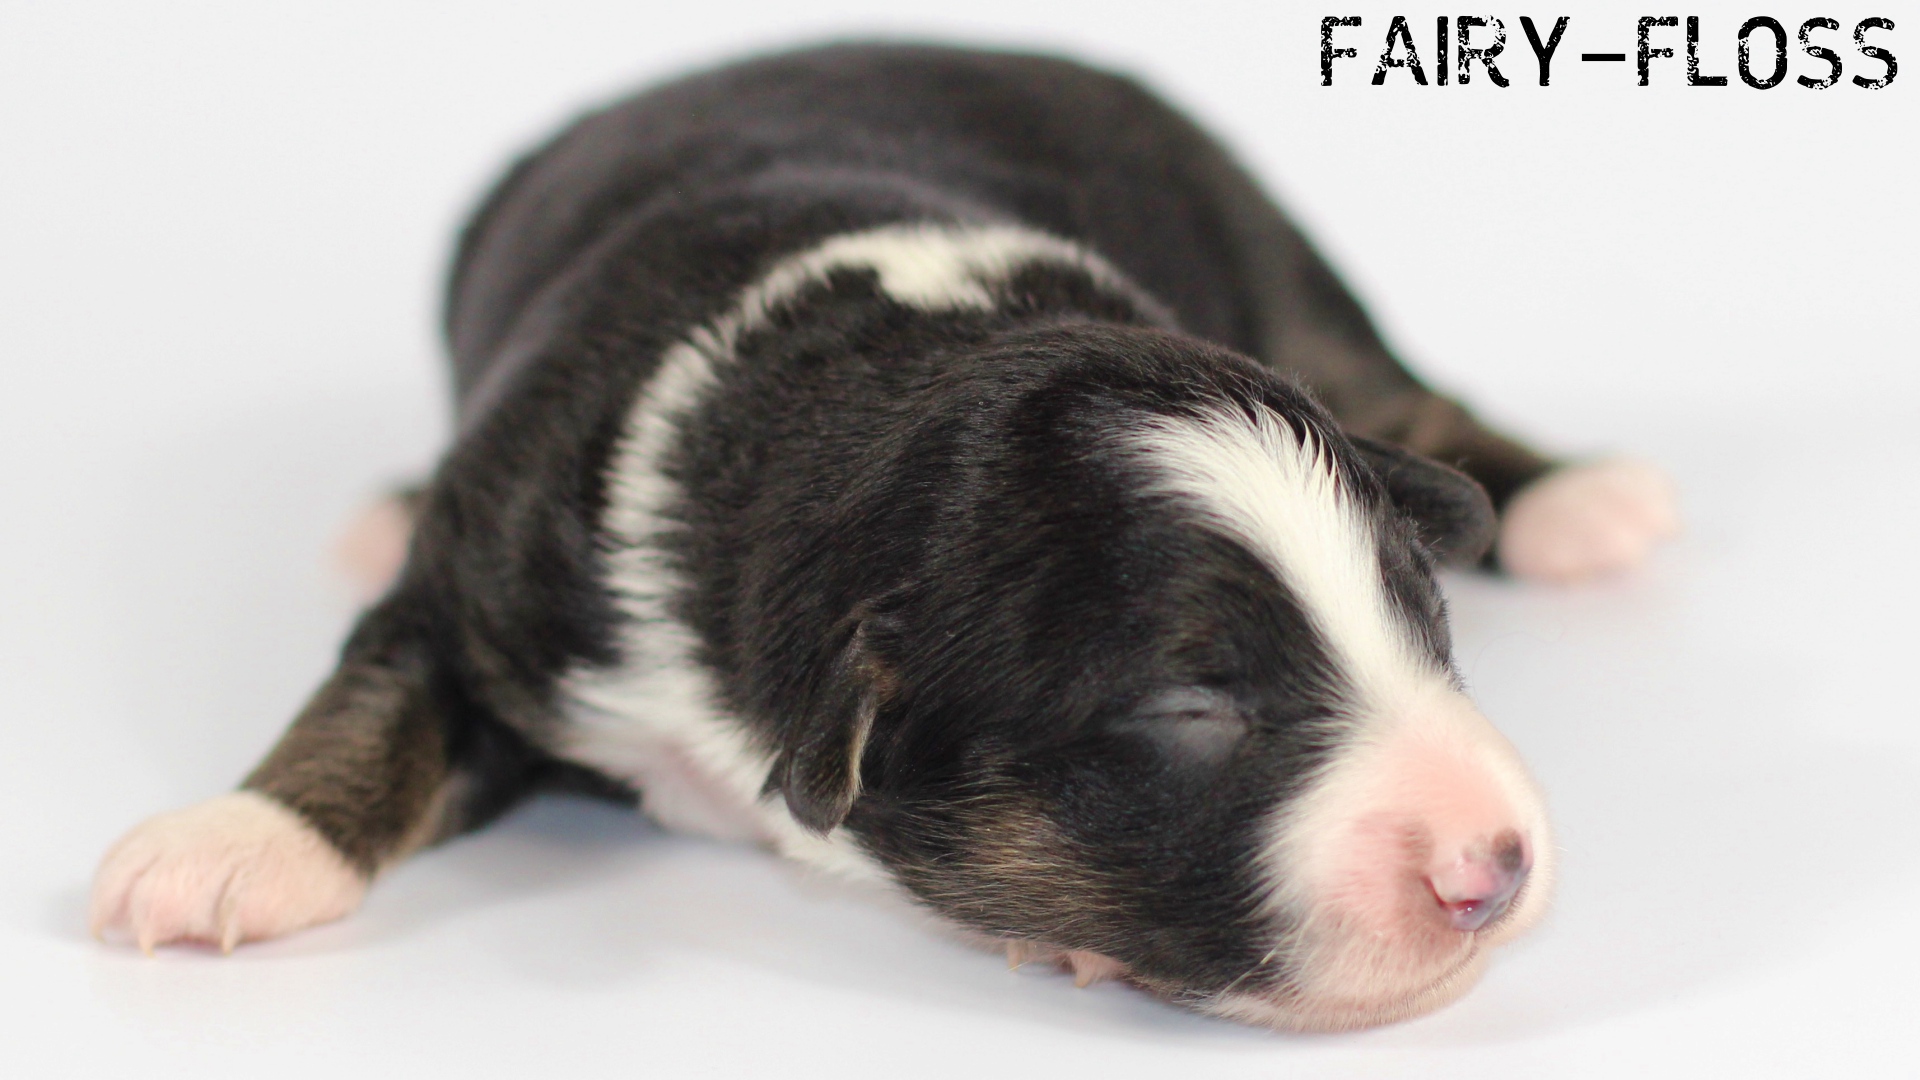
column 1190, row 724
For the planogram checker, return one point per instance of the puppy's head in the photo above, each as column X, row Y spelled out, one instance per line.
column 1169, row 684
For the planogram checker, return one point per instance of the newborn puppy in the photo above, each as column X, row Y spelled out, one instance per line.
column 948, row 469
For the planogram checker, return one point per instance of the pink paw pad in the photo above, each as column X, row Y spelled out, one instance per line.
column 237, row 868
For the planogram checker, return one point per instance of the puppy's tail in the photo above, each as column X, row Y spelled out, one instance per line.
column 371, row 550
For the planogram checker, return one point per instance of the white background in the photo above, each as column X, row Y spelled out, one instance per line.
column 222, row 231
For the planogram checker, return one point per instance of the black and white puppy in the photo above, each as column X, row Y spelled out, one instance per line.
column 949, row 469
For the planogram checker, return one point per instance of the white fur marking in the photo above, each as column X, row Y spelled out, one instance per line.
column 935, row 267
column 654, row 719
column 237, row 868
column 1277, row 493
column 1420, row 776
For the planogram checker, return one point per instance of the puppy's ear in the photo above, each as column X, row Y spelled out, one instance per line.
column 819, row 765
column 1454, row 515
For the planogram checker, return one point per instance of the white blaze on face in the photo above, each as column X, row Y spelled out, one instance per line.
column 1381, row 860
column 1277, row 494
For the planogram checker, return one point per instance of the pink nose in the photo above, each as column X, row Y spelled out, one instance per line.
column 1477, row 887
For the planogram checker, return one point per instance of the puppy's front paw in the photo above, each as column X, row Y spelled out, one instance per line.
column 1583, row 521
column 237, row 868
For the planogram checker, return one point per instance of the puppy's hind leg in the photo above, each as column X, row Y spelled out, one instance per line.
column 367, row 773
column 1559, row 521
column 1587, row 519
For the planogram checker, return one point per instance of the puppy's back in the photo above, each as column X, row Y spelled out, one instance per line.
column 1079, row 153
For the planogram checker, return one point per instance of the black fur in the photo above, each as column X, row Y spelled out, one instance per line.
column 923, row 572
